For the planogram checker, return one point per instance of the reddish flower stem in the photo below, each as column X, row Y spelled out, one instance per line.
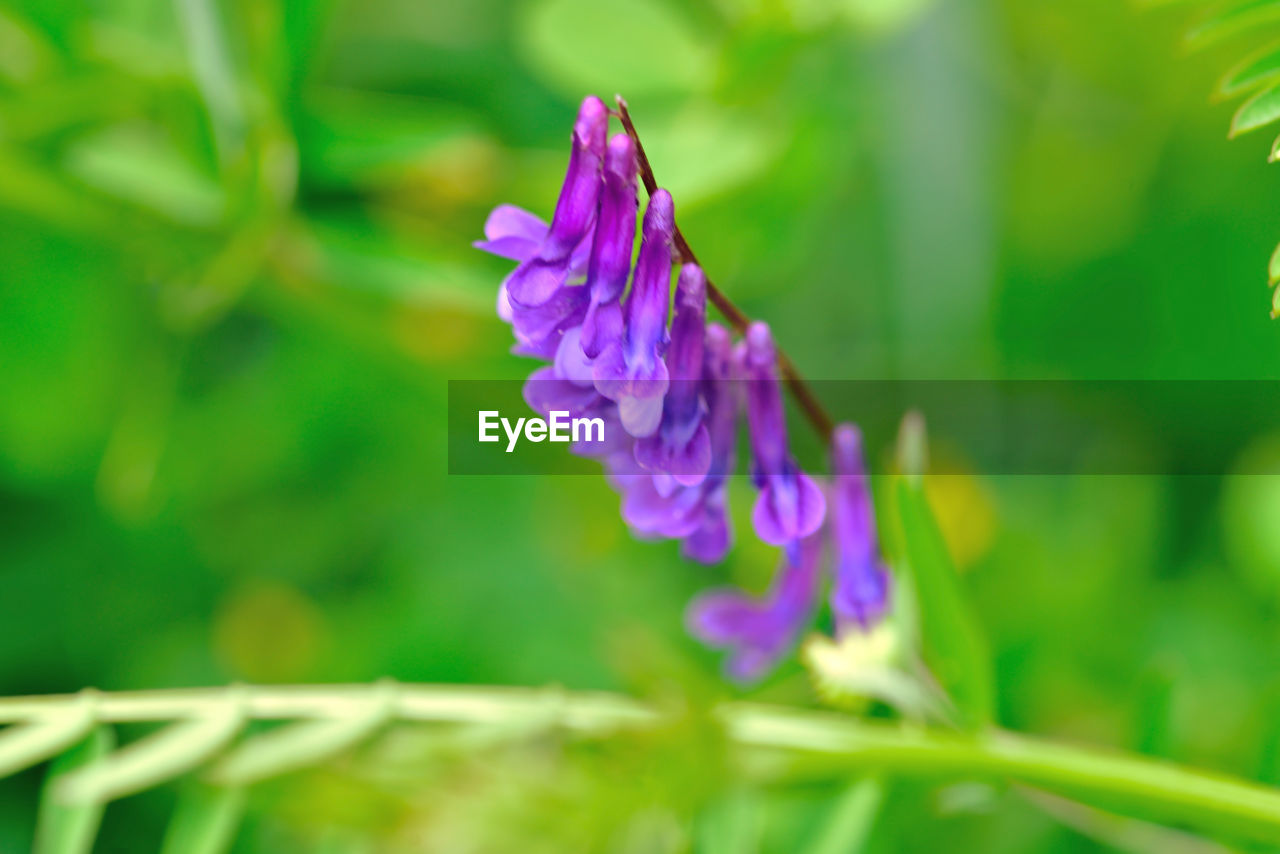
column 800, row 390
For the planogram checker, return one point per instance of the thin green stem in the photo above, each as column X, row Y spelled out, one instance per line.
column 1128, row 783
column 817, row 742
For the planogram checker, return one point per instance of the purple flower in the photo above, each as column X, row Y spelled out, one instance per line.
column 631, row 371
column 515, row 233
column 682, row 446
column 758, row 632
column 570, row 362
column 615, row 237
column 722, row 373
column 790, row 505
column 654, row 505
column 860, row 592
column 649, row 511
column 546, row 392
column 539, row 329
column 512, row 232
column 711, row 540
column 538, row 278
column 671, row 404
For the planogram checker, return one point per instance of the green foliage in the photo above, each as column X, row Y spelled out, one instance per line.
column 560, row 38
column 1236, row 23
column 1231, row 19
column 951, row 638
column 1251, row 73
column 236, row 277
column 65, row 827
column 205, row 820
column 733, row 824
column 32, row 743
column 603, row 735
column 300, row 745
column 952, row 641
column 174, row 750
column 852, row 819
column 1260, row 110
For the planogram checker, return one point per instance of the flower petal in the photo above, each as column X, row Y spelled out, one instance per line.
column 509, row 221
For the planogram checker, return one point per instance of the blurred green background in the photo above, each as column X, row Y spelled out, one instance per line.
column 236, row 274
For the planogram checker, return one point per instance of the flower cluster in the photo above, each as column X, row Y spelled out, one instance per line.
column 673, row 391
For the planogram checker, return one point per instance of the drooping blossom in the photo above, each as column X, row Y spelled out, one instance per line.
column 538, row 278
column 758, row 632
column 681, row 448
column 631, row 371
column 514, row 233
column 860, row 586
column 545, row 392
column 539, row 329
column 673, row 400
column 790, row 505
column 655, row 504
column 722, row 385
column 615, row 236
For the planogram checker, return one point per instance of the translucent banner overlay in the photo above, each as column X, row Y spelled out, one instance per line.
column 1015, row 427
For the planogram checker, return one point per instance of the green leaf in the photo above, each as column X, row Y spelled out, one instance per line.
column 878, row 18
column 343, row 257
column 352, row 138
column 65, row 829
column 161, row 756
column 61, row 104
column 298, row 745
column 139, row 164
column 732, row 824
column 29, row 186
column 25, row 54
column 576, row 44
column 849, row 826
column 1273, row 269
column 1231, row 20
column 1260, row 110
column 214, row 72
column 205, row 820
column 1258, row 68
column 222, row 280
column 954, row 646
column 24, row 745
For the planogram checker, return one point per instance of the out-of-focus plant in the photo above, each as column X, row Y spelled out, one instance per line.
column 206, row 729
column 1249, row 29
column 211, row 729
column 194, row 145
column 191, row 137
